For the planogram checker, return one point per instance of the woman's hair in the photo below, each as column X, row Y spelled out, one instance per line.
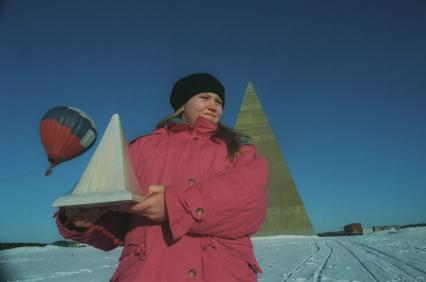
column 228, row 135
column 231, row 139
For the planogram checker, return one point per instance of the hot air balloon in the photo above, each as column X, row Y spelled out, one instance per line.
column 66, row 133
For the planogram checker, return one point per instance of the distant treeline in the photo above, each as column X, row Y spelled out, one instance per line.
column 414, row 225
column 344, row 233
column 62, row 243
column 338, row 233
column 4, row 246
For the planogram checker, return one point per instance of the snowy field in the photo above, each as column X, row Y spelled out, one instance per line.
column 380, row 256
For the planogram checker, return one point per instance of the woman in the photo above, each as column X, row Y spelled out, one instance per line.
column 206, row 194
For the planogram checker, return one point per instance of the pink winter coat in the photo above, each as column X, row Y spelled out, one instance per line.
column 213, row 207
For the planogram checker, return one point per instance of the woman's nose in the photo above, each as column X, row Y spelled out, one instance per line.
column 212, row 107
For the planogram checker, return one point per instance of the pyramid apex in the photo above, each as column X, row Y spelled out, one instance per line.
column 250, row 87
column 115, row 121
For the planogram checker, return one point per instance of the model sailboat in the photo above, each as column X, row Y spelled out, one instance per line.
column 109, row 178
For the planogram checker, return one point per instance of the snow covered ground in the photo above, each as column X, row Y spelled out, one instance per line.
column 380, row 256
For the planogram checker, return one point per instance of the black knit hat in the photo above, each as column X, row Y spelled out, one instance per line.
column 194, row 84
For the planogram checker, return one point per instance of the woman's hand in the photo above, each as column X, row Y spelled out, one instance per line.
column 153, row 207
column 83, row 218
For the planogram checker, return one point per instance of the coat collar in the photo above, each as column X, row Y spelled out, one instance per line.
column 202, row 126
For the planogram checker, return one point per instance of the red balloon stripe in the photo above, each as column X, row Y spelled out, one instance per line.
column 58, row 141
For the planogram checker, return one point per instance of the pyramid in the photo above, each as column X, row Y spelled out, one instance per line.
column 286, row 213
column 109, row 178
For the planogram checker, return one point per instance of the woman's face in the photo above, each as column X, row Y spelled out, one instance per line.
column 208, row 105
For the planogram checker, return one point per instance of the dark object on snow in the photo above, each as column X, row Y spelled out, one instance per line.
column 353, row 228
column 386, row 227
column 68, row 244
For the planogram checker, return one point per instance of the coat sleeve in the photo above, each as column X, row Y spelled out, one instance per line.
column 107, row 234
column 230, row 204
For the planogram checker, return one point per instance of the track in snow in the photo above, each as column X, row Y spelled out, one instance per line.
column 312, row 266
column 390, row 265
column 376, row 265
column 361, row 261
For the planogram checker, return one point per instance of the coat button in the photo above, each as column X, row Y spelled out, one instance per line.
column 192, row 273
column 191, row 182
column 200, row 211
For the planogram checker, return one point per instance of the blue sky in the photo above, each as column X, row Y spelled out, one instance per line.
column 342, row 83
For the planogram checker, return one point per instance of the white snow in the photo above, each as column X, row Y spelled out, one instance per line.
column 379, row 256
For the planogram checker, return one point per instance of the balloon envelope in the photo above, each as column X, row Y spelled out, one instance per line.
column 66, row 133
